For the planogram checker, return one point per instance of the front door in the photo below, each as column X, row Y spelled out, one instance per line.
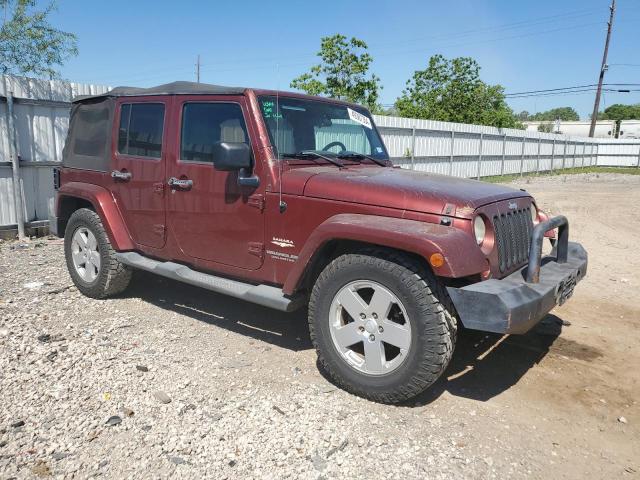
column 209, row 215
column 139, row 168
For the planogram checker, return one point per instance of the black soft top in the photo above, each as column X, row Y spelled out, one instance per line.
column 173, row 88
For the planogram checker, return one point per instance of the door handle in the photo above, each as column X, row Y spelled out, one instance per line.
column 124, row 176
column 175, row 183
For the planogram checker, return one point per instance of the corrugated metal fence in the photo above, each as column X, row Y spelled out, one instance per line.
column 476, row 151
column 41, row 117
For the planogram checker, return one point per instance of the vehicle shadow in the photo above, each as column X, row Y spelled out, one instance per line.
column 286, row 330
column 483, row 365
column 486, row 364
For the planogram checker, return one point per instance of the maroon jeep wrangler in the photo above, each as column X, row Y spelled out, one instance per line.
column 287, row 201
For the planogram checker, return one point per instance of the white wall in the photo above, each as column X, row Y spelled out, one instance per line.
column 604, row 128
column 630, row 129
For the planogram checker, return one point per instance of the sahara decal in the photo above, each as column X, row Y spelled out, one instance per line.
column 282, row 242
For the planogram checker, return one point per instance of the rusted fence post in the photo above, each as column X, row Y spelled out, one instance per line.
column 524, row 139
column 504, row 154
column 15, row 166
column 480, row 154
column 453, row 137
column 413, row 147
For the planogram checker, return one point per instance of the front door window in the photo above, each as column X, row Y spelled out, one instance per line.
column 213, row 220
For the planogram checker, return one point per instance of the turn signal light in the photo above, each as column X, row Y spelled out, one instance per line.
column 436, row 260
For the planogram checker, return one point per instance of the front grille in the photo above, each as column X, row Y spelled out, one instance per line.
column 513, row 236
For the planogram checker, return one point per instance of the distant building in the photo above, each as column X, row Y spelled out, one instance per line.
column 604, row 128
column 629, row 129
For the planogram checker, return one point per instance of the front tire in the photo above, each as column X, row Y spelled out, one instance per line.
column 91, row 259
column 382, row 325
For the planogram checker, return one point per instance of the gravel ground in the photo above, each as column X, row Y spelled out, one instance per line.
column 125, row 388
column 169, row 380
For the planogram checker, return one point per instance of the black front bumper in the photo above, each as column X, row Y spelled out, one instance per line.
column 516, row 303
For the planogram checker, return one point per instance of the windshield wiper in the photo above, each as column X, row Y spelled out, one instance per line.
column 355, row 156
column 311, row 155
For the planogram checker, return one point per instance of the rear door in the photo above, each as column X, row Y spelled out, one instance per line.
column 212, row 218
column 139, row 167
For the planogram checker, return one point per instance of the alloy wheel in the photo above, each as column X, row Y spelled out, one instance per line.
column 85, row 254
column 370, row 327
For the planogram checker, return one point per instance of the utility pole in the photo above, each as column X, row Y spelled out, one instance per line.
column 603, row 69
column 198, row 69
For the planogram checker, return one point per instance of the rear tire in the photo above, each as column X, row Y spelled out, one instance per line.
column 90, row 257
column 418, row 321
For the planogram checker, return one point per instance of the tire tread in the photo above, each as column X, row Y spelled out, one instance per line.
column 115, row 278
column 433, row 301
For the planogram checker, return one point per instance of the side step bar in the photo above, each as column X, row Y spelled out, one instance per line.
column 265, row 295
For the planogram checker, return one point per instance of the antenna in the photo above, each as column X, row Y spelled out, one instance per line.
column 198, row 69
column 282, row 206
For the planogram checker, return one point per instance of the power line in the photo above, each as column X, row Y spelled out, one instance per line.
column 507, row 26
column 498, row 39
column 576, row 92
column 549, row 90
column 572, row 88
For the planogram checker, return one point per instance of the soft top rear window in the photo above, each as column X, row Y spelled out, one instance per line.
column 91, row 130
column 88, row 145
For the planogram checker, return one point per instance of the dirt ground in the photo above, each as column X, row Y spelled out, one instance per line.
column 559, row 402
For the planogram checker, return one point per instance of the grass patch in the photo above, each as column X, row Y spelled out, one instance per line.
column 566, row 171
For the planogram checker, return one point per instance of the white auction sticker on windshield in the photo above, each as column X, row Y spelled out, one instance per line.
column 360, row 118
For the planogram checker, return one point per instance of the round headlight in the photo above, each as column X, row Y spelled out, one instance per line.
column 479, row 229
column 534, row 213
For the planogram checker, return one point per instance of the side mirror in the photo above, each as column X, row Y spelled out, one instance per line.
column 228, row 156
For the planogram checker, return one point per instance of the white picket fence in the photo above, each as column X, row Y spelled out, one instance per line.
column 41, row 120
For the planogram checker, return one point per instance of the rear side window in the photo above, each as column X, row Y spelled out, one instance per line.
column 204, row 124
column 140, row 130
column 91, row 130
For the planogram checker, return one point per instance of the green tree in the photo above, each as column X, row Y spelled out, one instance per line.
column 342, row 73
column 619, row 111
column 567, row 114
column 29, row 44
column 452, row 91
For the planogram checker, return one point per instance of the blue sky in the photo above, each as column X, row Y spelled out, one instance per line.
column 522, row 45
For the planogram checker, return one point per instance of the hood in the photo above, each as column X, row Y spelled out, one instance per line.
column 398, row 188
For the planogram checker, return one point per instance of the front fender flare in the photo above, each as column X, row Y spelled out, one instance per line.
column 105, row 206
column 461, row 253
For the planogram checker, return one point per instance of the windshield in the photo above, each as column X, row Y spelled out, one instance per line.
column 300, row 125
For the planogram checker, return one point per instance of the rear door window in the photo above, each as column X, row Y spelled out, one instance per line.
column 140, row 130
column 205, row 124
